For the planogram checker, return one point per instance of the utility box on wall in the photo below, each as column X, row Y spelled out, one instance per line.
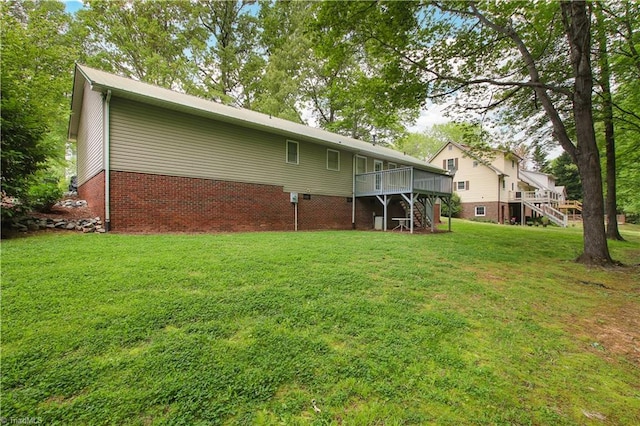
column 378, row 222
column 293, row 197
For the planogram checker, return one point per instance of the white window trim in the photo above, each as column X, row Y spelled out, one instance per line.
column 286, row 158
column 378, row 178
column 484, row 209
column 361, row 178
column 337, row 152
column 464, row 185
column 453, row 163
column 365, row 163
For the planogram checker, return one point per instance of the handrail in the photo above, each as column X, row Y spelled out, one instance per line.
column 536, row 196
column 401, row 180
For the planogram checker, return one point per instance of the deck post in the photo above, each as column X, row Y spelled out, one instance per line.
column 412, row 200
column 384, row 202
column 384, row 226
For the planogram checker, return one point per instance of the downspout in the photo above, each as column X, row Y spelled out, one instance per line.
column 353, row 193
column 107, row 162
column 499, row 190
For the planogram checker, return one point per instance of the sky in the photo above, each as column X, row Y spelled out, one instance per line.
column 72, row 6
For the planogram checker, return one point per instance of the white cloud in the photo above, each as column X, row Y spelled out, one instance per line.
column 431, row 114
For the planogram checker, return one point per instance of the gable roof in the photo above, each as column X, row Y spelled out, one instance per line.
column 466, row 150
column 537, row 179
column 143, row 92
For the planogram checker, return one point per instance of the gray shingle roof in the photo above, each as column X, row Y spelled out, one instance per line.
column 147, row 93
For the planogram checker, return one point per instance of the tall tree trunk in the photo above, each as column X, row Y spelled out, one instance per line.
column 607, row 109
column 578, row 29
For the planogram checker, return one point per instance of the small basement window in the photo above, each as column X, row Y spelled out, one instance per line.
column 480, row 211
column 292, row 152
column 333, row 160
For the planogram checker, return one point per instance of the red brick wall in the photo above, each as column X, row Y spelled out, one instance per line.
column 157, row 203
column 93, row 192
column 492, row 211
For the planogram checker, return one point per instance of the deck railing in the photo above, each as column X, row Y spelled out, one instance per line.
column 549, row 197
column 402, row 180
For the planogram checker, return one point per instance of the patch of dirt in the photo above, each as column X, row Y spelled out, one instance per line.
column 59, row 212
column 616, row 332
column 613, row 329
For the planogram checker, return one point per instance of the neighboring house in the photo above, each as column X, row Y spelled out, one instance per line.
column 151, row 159
column 496, row 189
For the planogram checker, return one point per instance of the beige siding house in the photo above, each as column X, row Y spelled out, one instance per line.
column 497, row 189
column 151, row 159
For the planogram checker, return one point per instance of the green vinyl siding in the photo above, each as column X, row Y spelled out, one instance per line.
column 150, row 139
column 90, row 146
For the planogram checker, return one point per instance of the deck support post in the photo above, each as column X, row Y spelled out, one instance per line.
column 385, row 202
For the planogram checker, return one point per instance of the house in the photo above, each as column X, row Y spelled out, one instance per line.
column 497, row 189
column 155, row 160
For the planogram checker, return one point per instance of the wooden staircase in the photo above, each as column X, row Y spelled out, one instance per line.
column 421, row 209
column 555, row 216
column 572, row 208
column 571, row 205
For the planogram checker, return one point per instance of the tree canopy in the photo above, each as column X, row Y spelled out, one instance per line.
column 37, row 56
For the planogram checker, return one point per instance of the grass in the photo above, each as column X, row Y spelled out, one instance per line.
column 487, row 325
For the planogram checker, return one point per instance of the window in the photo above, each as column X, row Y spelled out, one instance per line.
column 462, row 185
column 391, row 166
column 361, row 165
column 377, row 167
column 512, row 186
column 475, row 164
column 480, row 211
column 450, row 164
column 450, row 147
column 333, row 160
column 513, row 164
column 292, row 152
column 504, row 184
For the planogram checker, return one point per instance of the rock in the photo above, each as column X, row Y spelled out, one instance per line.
column 71, row 225
column 101, row 230
column 61, row 224
column 33, row 226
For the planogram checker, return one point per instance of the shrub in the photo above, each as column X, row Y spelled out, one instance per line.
column 454, row 209
column 44, row 192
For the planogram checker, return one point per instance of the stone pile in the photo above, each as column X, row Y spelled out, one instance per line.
column 87, row 225
column 69, row 203
column 84, row 225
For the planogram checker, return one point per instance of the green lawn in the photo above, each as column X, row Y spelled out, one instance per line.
column 489, row 324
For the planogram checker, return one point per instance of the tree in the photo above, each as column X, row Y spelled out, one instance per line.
column 224, row 50
column 604, row 81
column 287, row 47
column 346, row 85
column 566, row 173
column 499, row 54
column 37, row 64
column 426, row 144
column 144, row 40
column 539, row 159
column 624, row 39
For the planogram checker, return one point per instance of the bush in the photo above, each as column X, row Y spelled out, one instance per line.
column 455, row 207
column 44, row 192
